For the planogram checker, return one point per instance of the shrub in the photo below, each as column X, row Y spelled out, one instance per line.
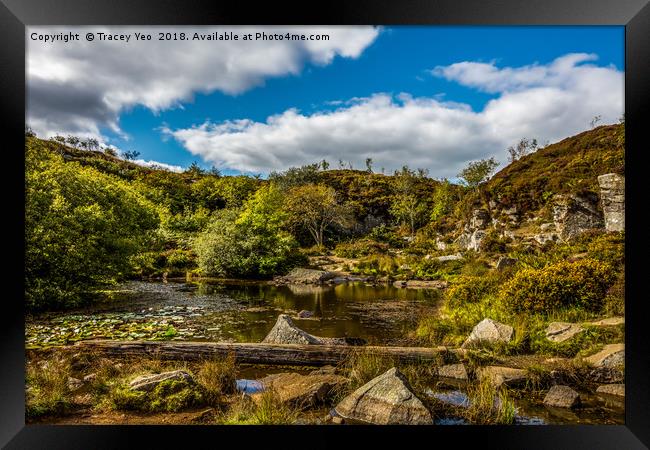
column 609, row 248
column 360, row 248
column 470, row 289
column 269, row 410
column 581, row 284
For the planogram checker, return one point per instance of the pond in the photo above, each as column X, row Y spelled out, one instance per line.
column 230, row 311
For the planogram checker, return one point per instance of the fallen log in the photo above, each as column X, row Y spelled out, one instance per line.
column 262, row 353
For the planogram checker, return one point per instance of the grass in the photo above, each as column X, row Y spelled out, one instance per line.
column 268, row 410
column 218, row 378
column 47, row 387
column 488, row 405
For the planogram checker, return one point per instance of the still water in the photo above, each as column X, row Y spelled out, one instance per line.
column 238, row 312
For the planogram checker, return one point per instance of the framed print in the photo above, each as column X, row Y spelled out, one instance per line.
column 373, row 223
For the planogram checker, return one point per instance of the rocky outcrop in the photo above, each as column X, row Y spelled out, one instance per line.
column 562, row 331
column 489, row 331
column 612, row 197
column 147, row 383
column 562, row 397
column 617, row 390
column 575, row 214
column 286, row 332
column 498, row 376
column 302, row 391
column 385, row 400
column 454, row 371
column 474, row 231
column 305, row 276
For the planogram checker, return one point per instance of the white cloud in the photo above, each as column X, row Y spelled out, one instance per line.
column 545, row 102
column 79, row 87
column 157, row 164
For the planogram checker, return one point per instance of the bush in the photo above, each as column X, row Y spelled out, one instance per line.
column 609, row 248
column 580, row 284
column 493, row 243
column 470, row 289
column 357, row 249
column 249, row 242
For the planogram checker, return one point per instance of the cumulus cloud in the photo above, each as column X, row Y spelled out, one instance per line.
column 80, row 87
column 546, row 102
column 158, row 165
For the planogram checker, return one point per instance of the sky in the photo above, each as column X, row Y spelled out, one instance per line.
column 428, row 97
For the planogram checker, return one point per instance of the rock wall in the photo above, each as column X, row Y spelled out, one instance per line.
column 612, row 198
column 575, row 214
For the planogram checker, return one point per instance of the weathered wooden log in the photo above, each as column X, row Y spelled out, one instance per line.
column 262, row 353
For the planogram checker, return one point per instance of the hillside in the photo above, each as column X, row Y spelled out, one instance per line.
column 569, row 166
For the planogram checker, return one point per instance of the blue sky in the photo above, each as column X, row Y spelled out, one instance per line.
column 398, row 60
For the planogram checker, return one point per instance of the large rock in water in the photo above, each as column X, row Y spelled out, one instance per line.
column 306, row 276
column 488, row 331
column 148, row 383
column 612, row 389
column 285, row 332
column 303, row 391
column 612, row 197
column 575, row 214
column 562, row 397
column 385, row 400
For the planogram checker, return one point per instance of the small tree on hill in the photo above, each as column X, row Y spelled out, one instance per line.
column 524, row 147
column 477, row 172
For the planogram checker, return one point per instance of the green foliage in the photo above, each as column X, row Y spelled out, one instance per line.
column 248, row 242
column 407, row 207
column 167, row 396
column 470, row 289
column 298, row 176
column 581, row 284
column 493, row 243
column 609, row 248
column 443, row 201
column 81, row 227
column 315, row 208
column 360, row 248
column 478, row 172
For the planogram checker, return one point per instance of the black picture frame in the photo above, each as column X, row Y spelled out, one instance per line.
column 16, row 14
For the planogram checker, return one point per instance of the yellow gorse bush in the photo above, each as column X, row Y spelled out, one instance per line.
column 580, row 284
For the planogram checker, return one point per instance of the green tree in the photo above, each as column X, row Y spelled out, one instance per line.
column 369, row 165
column 81, row 228
column 443, row 200
column 249, row 241
column 477, row 172
column 296, row 176
column 407, row 207
column 315, row 207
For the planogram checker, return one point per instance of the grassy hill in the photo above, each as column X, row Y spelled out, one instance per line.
column 569, row 166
